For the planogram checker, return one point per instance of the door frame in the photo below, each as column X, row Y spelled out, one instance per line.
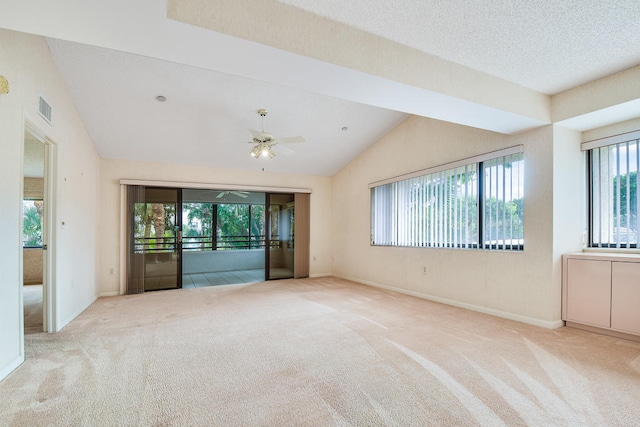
column 49, row 289
column 267, row 236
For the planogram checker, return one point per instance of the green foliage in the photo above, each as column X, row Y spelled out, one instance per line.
column 504, row 220
column 238, row 225
column 628, row 218
column 201, row 213
column 233, row 220
column 31, row 227
column 144, row 230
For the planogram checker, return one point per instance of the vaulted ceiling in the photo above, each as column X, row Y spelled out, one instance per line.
column 318, row 67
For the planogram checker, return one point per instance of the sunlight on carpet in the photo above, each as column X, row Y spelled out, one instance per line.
column 321, row 351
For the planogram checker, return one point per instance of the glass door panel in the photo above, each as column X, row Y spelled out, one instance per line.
column 157, row 237
column 280, row 236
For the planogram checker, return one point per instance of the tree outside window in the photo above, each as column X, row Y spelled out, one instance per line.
column 32, row 218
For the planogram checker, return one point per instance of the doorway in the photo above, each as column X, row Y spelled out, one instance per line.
column 223, row 237
column 38, row 233
column 33, row 208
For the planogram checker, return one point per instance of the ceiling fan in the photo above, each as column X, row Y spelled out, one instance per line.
column 267, row 145
column 243, row 194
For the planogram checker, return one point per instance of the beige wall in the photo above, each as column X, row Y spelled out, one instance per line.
column 33, row 188
column 614, row 129
column 30, row 70
column 522, row 286
column 32, row 266
column 114, row 170
column 616, row 89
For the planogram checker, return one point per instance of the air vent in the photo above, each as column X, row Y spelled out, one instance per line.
column 44, row 109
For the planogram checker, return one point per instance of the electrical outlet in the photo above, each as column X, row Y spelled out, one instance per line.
column 112, row 271
column 424, row 270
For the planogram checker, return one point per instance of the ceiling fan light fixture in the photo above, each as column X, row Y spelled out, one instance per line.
column 265, row 142
column 262, row 150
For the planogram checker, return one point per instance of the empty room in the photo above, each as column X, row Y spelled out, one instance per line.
column 285, row 212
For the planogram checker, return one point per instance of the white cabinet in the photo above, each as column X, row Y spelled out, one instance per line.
column 625, row 297
column 589, row 292
column 602, row 291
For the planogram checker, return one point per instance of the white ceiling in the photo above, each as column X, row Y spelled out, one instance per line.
column 215, row 82
column 546, row 45
column 206, row 116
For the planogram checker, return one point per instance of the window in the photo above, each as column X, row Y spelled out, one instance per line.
column 32, row 212
column 613, row 191
column 237, row 226
column 440, row 207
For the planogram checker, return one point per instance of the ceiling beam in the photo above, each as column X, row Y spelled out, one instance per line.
column 276, row 43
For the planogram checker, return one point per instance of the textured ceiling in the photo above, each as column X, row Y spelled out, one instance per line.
column 215, row 80
column 546, row 45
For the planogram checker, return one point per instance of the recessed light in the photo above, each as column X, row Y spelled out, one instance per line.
column 161, row 98
column 344, row 128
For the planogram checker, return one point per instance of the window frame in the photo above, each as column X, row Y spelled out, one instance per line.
column 589, row 146
column 32, row 199
column 213, row 240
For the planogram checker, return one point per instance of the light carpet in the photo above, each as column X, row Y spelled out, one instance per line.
column 313, row 352
column 32, row 299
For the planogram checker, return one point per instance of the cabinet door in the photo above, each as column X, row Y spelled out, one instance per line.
column 589, row 292
column 625, row 297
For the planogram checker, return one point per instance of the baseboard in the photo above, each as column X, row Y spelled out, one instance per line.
column 485, row 310
column 313, row 276
column 69, row 319
column 603, row 331
column 108, row 294
column 11, row 367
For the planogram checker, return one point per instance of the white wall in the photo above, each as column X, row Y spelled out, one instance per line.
column 569, row 202
column 29, row 68
column 227, row 260
column 114, row 170
column 515, row 285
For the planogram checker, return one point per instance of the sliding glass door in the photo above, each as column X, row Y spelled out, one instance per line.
column 157, row 238
column 280, row 236
column 200, row 237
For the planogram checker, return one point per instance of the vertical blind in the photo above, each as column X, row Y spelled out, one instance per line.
column 302, row 235
column 135, row 259
column 474, row 203
column 613, row 191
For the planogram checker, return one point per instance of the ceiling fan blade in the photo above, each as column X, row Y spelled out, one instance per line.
column 257, row 135
column 283, row 150
column 239, row 194
column 289, row 140
column 221, row 194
